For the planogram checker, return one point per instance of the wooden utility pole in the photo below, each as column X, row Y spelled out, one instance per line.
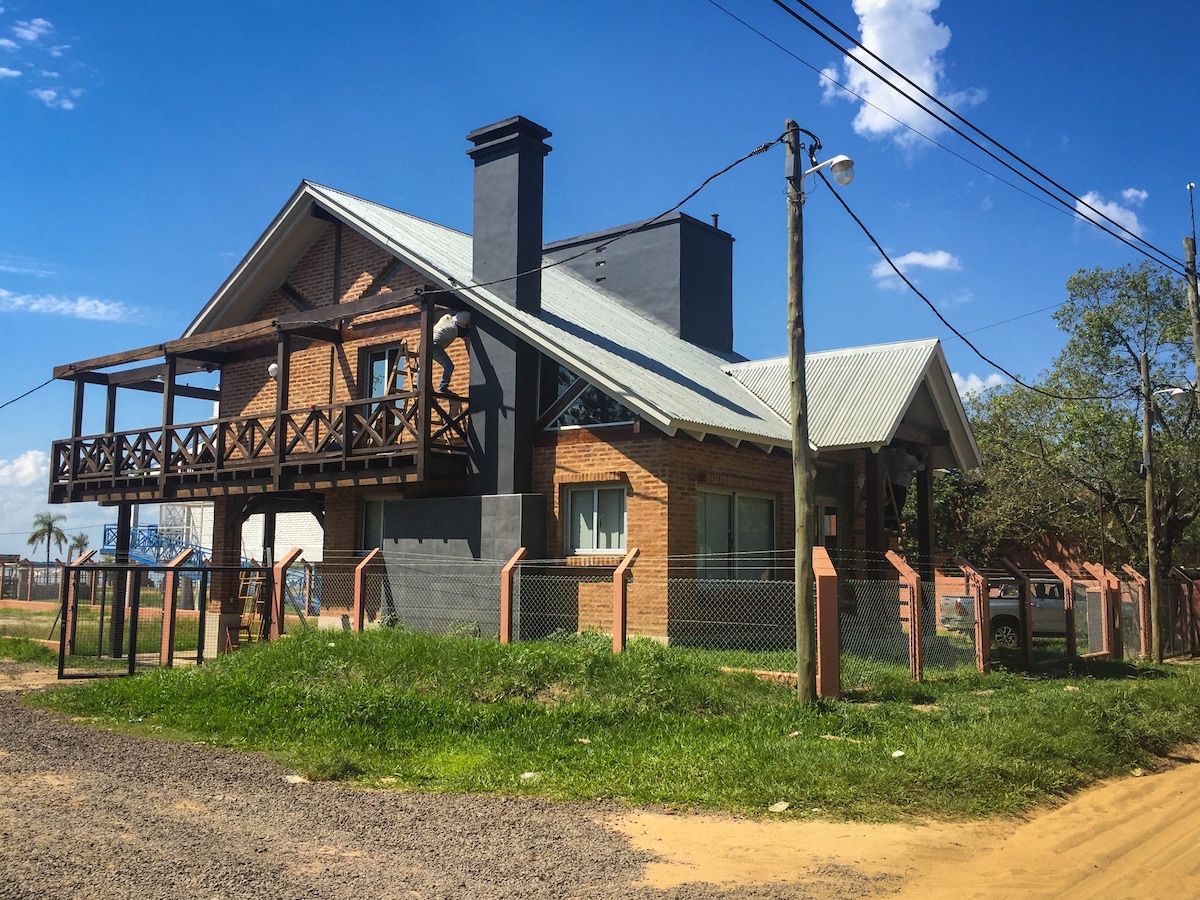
column 802, row 473
column 1189, row 252
column 1151, row 508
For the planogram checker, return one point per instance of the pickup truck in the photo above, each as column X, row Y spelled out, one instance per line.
column 1004, row 609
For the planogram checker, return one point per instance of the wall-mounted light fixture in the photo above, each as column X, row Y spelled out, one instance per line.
column 273, row 371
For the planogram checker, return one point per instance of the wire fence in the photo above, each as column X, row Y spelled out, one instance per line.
column 115, row 623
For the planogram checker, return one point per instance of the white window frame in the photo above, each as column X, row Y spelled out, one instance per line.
column 570, row 493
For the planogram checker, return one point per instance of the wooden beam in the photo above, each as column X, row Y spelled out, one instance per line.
column 297, row 299
column 260, row 333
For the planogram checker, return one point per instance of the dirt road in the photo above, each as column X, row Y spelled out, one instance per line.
column 87, row 813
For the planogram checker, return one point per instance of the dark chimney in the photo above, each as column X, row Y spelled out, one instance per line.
column 508, row 209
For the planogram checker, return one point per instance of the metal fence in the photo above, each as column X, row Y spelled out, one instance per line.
column 115, row 620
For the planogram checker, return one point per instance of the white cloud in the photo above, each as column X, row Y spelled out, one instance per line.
column 33, row 30
column 1092, row 206
column 78, row 308
column 20, row 265
column 904, row 33
column 9, row 73
column 56, row 52
column 973, row 384
column 23, row 481
column 938, row 260
column 7, row 44
column 31, row 466
column 53, row 99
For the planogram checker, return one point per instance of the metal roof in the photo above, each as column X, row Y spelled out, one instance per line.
column 668, row 381
column 859, row 396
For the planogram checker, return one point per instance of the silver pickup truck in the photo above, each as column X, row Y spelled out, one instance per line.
column 1004, row 609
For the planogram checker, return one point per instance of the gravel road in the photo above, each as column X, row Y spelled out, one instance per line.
column 86, row 813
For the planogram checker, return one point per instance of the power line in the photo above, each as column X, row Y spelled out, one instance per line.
column 1170, row 261
column 1163, row 258
column 960, row 335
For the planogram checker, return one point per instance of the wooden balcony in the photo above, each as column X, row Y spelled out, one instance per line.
column 376, row 441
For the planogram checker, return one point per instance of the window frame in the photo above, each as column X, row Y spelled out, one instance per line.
column 729, row 562
column 570, row 492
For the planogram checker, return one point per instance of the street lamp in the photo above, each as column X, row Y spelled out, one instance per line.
column 842, row 168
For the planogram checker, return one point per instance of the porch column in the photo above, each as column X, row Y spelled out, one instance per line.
column 282, row 371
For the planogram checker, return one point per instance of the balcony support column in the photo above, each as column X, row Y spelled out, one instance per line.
column 282, row 362
column 169, row 373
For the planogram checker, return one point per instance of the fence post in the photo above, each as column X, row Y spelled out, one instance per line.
column 829, row 662
column 1068, row 602
column 978, row 586
column 620, row 612
column 1026, row 601
column 911, row 581
column 1144, row 619
column 507, row 577
column 279, row 591
column 166, row 650
column 1187, row 611
column 360, row 589
column 1109, row 623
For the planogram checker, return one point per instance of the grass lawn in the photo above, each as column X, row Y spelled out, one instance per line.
column 568, row 719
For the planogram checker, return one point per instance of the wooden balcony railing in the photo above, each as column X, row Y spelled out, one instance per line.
column 355, row 436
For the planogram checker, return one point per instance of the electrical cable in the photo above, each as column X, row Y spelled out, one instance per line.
column 26, row 394
column 1058, row 204
column 991, row 362
column 1173, row 263
column 640, row 226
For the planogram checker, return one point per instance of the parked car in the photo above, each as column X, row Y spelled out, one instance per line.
column 957, row 613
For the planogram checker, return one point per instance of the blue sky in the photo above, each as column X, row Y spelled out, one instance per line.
column 145, row 146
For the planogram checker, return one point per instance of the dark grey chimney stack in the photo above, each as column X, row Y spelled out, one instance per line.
column 508, row 209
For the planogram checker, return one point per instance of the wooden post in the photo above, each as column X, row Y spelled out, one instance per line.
column 279, row 590
column 1110, row 619
column 166, row 650
column 507, row 576
column 1026, row 600
column 620, row 610
column 360, row 589
column 1187, row 615
column 910, row 582
column 977, row 584
column 1068, row 602
column 829, row 662
column 1144, row 615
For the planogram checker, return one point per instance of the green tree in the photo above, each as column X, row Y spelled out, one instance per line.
column 1051, row 464
column 45, row 529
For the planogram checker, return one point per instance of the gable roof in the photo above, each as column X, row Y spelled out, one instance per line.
column 860, row 396
column 674, row 384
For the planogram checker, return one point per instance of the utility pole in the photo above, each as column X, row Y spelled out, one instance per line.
column 1189, row 252
column 1151, row 509
column 802, row 472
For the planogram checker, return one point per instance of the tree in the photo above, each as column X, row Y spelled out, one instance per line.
column 45, row 528
column 1054, row 459
column 78, row 543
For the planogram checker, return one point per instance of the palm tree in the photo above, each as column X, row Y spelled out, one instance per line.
column 78, row 543
column 45, row 528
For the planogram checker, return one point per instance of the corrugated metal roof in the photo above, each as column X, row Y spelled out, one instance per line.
column 857, row 396
column 665, row 379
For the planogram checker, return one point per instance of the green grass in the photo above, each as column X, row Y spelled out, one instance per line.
column 25, row 650
column 656, row 726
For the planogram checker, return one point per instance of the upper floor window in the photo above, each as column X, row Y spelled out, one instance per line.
column 383, row 370
column 595, row 517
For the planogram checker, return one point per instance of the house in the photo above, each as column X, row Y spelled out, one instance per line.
column 596, row 404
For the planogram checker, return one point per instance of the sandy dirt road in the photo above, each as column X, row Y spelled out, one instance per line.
column 1136, row 837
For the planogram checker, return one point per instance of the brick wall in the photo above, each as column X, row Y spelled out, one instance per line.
column 321, row 373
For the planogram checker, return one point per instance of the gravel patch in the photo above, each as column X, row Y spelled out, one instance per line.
column 92, row 813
